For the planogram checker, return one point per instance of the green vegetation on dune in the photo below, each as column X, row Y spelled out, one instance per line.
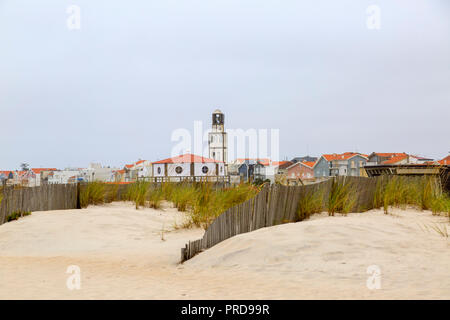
column 92, row 193
column 201, row 201
column 342, row 197
column 16, row 215
column 423, row 193
column 310, row 202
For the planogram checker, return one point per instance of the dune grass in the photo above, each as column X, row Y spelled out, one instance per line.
column 92, row 193
column 310, row 202
column 210, row 203
column 111, row 193
column 342, row 197
column 424, row 193
column 16, row 215
column 201, row 201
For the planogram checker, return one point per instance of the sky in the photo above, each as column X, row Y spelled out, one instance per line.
column 115, row 90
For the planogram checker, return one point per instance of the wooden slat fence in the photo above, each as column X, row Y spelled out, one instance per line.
column 42, row 198
column 275, row 205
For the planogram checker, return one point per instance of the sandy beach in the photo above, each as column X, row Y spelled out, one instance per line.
column 124, row 253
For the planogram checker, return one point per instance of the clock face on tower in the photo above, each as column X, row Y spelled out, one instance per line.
column 217, row 119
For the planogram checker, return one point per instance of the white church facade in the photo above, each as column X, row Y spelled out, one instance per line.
column 188, row 167
column 194, row 167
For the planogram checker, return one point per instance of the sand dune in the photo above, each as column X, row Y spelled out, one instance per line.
column 123, row 255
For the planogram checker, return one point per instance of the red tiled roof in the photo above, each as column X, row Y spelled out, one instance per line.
column 388, row 154
column 39, row 170
column 395, row 159
column 188, row 158
column 6, row 173
column 308, row 163
column 134, row 164
column 445, row 161
column 282, row 164
column 343, row 156
column 263, row 161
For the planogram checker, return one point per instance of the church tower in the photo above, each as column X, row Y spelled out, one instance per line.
column 218, row 138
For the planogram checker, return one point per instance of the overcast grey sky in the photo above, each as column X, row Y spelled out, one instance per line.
column 115, row 90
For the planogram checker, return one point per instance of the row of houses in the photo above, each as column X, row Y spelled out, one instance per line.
column 352, row 164
column 31, row 178
column 35, row 177
column 183, row 167
column 299, row 170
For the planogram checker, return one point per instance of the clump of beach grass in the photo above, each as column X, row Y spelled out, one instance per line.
column 342, row 197
column 138, row 193
column 310, row 202
column 111, row 192
column 92, row 193
column 423, row 193
column 155, row 195
column 209, row 203
column 182, row 196
column 440, row 228
column 16, row 215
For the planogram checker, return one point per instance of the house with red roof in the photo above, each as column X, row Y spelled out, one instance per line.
column 138, row 169
column 395, row 158
column 6, row 177
column 404, row 158
column 188, row 165
column 445, row 161
column 303, row 171
column 344, row 164
column 379, row 157
column 259, row 169
column 33, row 177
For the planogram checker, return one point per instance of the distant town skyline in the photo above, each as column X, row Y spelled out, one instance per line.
column 114, row 90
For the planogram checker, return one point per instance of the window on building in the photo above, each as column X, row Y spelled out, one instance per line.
column 159, row 170
column 205, row 169
column 178, row 170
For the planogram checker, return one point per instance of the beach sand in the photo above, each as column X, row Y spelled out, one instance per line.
column 122, row 253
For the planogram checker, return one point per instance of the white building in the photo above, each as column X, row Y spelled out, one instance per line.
column 95, row 172
column 69, row 175
column 188, row 167
column 139, row 169
column 217, row 140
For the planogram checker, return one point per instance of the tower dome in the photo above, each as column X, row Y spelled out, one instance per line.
column 218, row 111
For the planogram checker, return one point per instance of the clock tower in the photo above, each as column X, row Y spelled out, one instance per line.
column 217, row 140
